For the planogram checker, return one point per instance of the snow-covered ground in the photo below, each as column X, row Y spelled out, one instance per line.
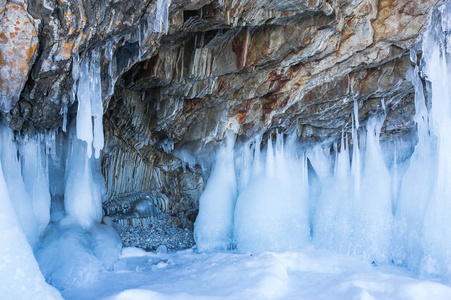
column 307, row 274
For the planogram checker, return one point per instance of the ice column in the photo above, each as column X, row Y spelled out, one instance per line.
column 22, row 202
column 272, row 210
column 437, row 69
column 84, row 185
column 20, row 276
column 35, row 175
column 333, row 212
column 214, row 224
column 372, row 205
column 416, row 187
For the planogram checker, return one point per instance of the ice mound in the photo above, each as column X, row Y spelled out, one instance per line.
column 71, row 256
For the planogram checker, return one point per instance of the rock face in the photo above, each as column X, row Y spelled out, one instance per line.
column 252, row 66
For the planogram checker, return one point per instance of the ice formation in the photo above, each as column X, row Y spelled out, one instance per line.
column 52, row 177
column 214, row 224
column 359, row 200
column 350, row 197
column 84, row 185
column 90, row 105
column 22, row 201
column 161, row 21
column 20, row 276
column 272, row 205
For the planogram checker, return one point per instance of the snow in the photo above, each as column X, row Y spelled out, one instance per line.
column 304, row 274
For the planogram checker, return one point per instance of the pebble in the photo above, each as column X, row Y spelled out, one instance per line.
column 151, row 236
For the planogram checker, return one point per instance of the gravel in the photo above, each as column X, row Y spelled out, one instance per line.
column 158, row 233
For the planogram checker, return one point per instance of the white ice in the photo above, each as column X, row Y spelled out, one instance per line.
column 161, row 18
column 214, row 224
column 272, row 210
column 90, row 105
column 84, row 184
column 20, row 277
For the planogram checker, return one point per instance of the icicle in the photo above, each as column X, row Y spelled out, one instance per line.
column 161, row 20
column 356, row 114
column 84, row 122
column 139, row 42
column 96, row 103
column 75, row 76
column 64, row 118
column 90, row 105
column 35, row 175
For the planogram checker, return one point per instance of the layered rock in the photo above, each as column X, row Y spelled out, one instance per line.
column 251, row 66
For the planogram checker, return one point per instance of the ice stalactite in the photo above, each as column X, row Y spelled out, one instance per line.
column 90, row 105
column 161, row 20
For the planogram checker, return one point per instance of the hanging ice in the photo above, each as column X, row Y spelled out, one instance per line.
column 333, row 212
column 161, row 20
column 90, row 105
column 416, row 188
column 76, row 247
